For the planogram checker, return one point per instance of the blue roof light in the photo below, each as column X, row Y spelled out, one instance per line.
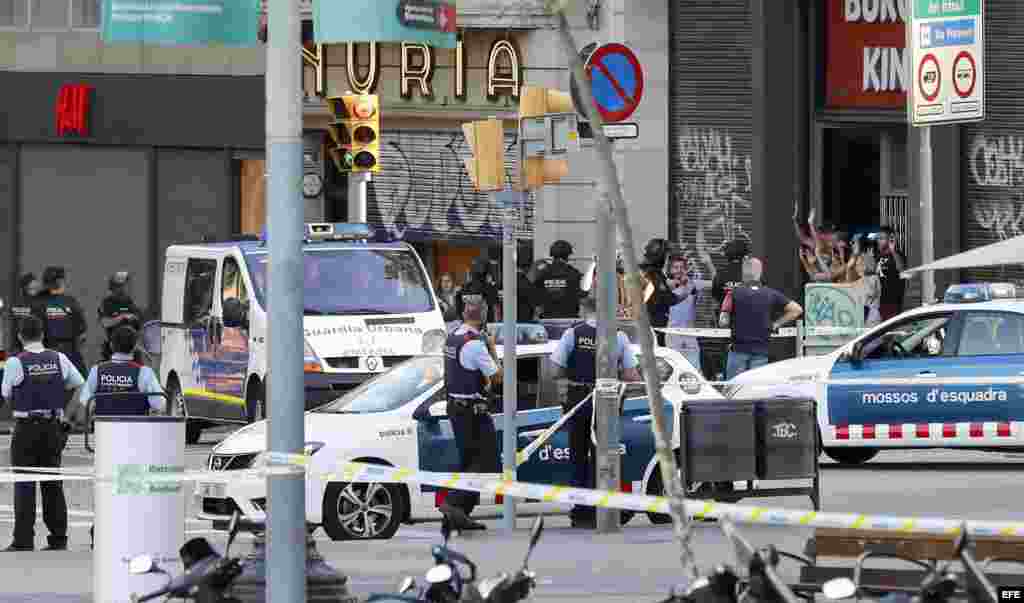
column 967, row 293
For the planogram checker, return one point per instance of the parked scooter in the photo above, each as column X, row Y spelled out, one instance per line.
column 206, row 579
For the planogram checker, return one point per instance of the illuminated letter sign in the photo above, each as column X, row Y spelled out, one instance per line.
column 73, row 109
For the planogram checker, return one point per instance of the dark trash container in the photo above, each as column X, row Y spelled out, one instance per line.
column 787, row 438
column 718, row 440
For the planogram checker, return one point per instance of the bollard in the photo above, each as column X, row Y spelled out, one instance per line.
column 134, row 517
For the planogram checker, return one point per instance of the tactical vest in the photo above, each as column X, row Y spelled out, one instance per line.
column 462, row 383
column 43, row 385
column 120, row 378
column 583, row 359
column 561, row 285
column 660, row 303
column 59, row 327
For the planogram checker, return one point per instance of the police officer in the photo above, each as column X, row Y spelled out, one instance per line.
column 658, row 296
column 28, row 290
column 576, row 357
column 36, row 382
column 471, row 369
column 528, row 295
column 479, row 285
column 63, row 321
column 559, row 282
column 123, row 377
column 117, row 309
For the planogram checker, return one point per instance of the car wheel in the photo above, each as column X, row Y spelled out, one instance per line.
column 851, row 456
column 362, row 511
column 176, row 400
column 255, row 403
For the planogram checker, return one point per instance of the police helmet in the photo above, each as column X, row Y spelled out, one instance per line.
column 657, row 249
column 561, row 249
column 52, row 275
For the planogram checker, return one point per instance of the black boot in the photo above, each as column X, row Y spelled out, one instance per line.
column 56, row 544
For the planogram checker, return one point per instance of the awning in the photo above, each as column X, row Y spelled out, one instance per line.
column 1010, row 251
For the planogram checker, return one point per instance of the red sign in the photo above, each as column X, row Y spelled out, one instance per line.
column 865, row 55
column 73, row 109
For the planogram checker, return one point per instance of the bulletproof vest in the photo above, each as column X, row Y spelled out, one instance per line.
column 59, row 325
column 19, row 312
column 120, row 304
column 583, row 359
column 561, row 285
column 461, row 382
column 43, row 385
column 120, row 378
column 660, row 303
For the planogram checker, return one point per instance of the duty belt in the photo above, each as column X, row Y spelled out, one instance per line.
column 467, row 402
column 38, row 414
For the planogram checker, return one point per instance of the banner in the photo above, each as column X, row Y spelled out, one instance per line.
column 175, row 23
column 429, row 22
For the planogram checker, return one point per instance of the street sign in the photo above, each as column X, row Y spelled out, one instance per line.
column 224, row 23
column 946, row 43
column 430, row 22
column 617, row 81
column 611, row 131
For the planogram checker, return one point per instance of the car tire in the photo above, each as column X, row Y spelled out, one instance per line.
column 347, row 514
column 255, row 402
column 176, row 401
column 851, row 456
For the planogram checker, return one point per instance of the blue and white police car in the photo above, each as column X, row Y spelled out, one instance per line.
column 398, row 419
column 928, row 378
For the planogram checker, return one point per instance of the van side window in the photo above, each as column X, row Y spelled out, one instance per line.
column 199, row 281
column 233, row 283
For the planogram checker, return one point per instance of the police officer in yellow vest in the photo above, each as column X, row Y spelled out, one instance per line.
column 37, row 381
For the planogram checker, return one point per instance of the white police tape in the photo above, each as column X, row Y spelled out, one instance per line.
column 282, row 463
column 781, row 333
column 524, row 455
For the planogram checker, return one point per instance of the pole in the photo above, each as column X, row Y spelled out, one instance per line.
column 927, row 217
column 606, row 395
column 509, row 387
column 286, row 512
column 662, row 445
column 357, row 196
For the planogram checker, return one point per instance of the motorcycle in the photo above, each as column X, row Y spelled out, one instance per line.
column 206, row 578
column 447, row 584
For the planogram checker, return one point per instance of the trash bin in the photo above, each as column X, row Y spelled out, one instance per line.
column 787, row 438
column 718, row 441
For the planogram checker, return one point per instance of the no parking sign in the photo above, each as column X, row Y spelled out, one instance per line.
column 617, row 81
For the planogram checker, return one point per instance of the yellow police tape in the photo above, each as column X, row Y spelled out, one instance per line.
column 291, row 464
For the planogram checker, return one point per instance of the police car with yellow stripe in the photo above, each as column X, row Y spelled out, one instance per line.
column 398, row 419
column 948, row 375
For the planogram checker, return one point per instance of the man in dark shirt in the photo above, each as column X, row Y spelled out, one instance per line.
column 753, row 308
column 117, row 309
column 891, row 263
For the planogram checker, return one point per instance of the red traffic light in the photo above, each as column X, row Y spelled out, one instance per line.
column 364, row 109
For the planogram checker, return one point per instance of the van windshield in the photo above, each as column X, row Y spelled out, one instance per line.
column 354, row 281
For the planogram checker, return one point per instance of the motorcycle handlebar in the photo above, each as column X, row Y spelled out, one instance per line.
column 460, row 558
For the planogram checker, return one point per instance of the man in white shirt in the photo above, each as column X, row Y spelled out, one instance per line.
column 683, row 315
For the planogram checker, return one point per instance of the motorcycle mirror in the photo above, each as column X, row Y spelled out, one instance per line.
column 408, row 584
column 838, row 588
column 535, row 532
column 438, row 574
column 142, row 564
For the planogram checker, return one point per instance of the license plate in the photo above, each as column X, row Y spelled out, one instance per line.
column 213, row 490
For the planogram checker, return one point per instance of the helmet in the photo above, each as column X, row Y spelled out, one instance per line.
column 52, row 274
column 119, row 279
column 480, row 267
column 657, row 248
column 561, row 249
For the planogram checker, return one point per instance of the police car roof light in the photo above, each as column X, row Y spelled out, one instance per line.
column 338, row 231
column 965, row 293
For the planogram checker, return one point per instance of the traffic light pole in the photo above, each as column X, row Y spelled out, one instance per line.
column 357, row 182
column 509, row 386
column 663, row 448
column 286, row 510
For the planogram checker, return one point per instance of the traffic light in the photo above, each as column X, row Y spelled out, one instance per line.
column 486, row 141
column 356, row 132
column 535, row 172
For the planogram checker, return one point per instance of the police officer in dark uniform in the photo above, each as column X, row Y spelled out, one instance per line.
column 37, row 381
column 661, row 299
column 124, row 381
column 118, row 309
column 559, row 282
column 479, row 285
column 29, row 288
column 63, row 321
column 576, row 357
column 528, row 295
column 471, row 368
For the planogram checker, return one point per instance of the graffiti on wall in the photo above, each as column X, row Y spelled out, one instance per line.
column 997, row 162
column 426, row 193
column 714, row 192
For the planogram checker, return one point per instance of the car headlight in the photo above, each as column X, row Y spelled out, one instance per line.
column 433, row 341
column 310, row 361
column 690, row 383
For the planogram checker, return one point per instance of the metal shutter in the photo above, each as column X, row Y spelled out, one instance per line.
column 994, row 149
column 423, row 192
column 711, row 107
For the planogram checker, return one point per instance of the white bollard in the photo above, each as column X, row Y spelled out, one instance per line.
column 137, row 518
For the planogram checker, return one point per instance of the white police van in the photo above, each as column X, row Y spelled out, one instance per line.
column 946, row 368
column 368, row 307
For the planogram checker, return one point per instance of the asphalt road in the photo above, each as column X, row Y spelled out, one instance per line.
column 639, row 564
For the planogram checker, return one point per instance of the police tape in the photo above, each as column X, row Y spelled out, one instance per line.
column 524, row 455
column 780, row 334
column 490, row 483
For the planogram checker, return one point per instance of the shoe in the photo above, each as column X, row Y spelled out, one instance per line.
column 458, row 519
column 16, row 548
column 56, row 546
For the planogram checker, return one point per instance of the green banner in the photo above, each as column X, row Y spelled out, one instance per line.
column 933, row 9
column 192, row 23
column 144, row 480
column 431, row 22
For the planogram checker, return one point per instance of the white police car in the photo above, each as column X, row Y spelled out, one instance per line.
column 398, row 419
column 975, row 336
